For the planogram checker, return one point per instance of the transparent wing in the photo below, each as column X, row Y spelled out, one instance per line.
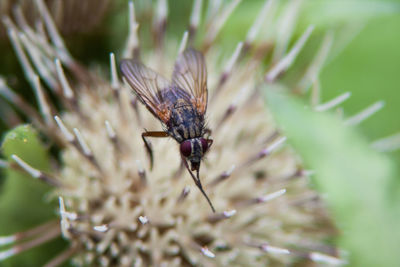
column 147, row 85
column 190, row 74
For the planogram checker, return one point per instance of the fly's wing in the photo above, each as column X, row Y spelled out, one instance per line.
column 190, row 74
column 147, row 85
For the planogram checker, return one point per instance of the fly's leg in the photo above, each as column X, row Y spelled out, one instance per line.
column 147, row 144
column 197, row 181
column 207, row 132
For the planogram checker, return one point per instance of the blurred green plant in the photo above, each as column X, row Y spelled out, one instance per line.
column 360, row 185
column 364, row 59
column 22, row 199
column 24, row 142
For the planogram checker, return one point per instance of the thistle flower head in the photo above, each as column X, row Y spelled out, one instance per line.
column 115, row 211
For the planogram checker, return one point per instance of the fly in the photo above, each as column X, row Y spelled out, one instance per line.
column 180, row 105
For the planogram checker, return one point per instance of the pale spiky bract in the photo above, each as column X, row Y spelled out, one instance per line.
column 117, row 212
column 70, row 16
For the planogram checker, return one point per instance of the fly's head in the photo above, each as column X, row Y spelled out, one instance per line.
column 194, row 149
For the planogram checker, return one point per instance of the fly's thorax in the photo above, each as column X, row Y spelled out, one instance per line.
column 185, row 122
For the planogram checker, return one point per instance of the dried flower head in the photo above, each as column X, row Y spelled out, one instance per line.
column 115, row 211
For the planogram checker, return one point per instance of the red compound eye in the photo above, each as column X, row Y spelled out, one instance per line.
column 204, row 144
column 186, row 148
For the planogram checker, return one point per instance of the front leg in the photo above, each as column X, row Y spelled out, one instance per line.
column 207, row 132
column 148, row 145
column 197, row 181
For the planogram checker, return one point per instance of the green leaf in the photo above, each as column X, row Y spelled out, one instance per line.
column 24, row 142
column 359, row 183
column 22, row 199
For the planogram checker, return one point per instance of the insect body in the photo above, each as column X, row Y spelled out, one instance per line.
column 180, row 105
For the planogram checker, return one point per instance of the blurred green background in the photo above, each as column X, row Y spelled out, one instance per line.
column 368, row 67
